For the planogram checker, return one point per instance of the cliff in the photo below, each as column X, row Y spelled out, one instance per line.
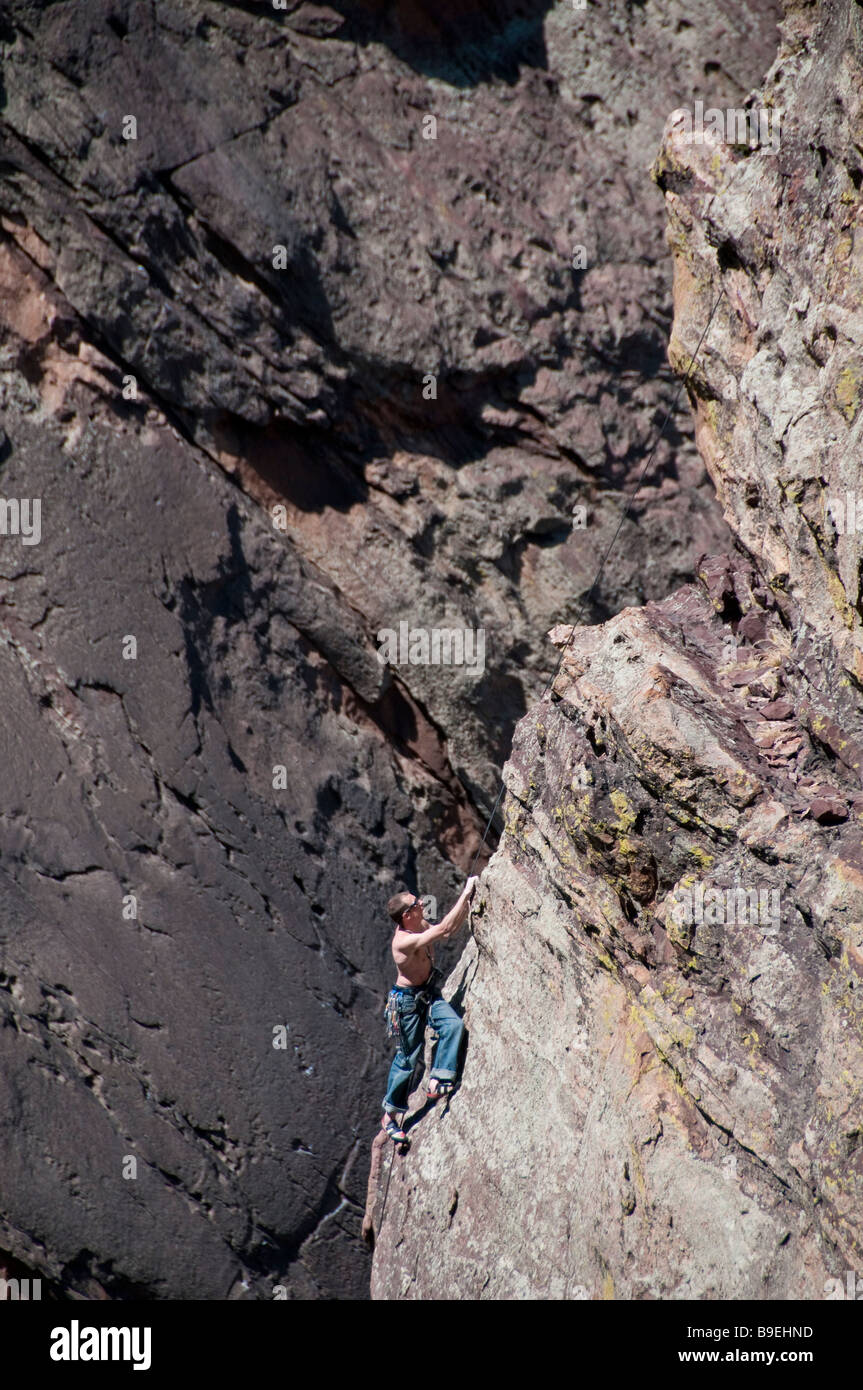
column 230, row 257
column 664, row 986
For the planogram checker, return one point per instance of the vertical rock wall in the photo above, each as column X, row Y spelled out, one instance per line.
column 664, row 990
column 167, row 378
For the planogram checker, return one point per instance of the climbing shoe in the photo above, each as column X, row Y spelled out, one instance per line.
column 437, row 1089
column 395, row 1132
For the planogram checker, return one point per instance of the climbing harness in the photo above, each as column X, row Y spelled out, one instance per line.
column 584, row 602
column 423, row 997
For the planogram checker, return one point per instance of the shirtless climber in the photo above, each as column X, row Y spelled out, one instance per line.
column 417, row 996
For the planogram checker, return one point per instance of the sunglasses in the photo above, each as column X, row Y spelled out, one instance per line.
column 408, row 908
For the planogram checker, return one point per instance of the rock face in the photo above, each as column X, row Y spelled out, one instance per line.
column 237, row 309
column 664, row 989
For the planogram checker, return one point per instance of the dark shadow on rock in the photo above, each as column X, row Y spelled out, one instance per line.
column 228, row 596
column 461, row 42
column 387, row 412
column 397, row 716
column 418, row 1115
column 299, row 465
column 457, row 1002
column 500, row 702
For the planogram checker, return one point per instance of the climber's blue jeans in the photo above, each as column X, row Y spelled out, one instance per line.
column 412, row 1022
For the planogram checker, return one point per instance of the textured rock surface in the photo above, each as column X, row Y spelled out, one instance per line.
column 405, row 256
column 670, row 1101
column 152, row 1037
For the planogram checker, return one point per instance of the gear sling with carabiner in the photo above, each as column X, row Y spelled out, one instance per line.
column 391, row 1016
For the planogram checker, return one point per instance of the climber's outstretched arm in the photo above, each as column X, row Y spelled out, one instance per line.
column 456, row 916
column 445, row 927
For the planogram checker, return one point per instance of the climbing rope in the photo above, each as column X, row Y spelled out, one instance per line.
column 387, row 1188
column 585, row 601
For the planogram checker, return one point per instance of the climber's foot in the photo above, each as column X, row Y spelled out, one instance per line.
column 437, row 1089
column 393, row 1130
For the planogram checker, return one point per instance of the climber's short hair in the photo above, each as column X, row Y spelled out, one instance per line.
column 397, row 905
